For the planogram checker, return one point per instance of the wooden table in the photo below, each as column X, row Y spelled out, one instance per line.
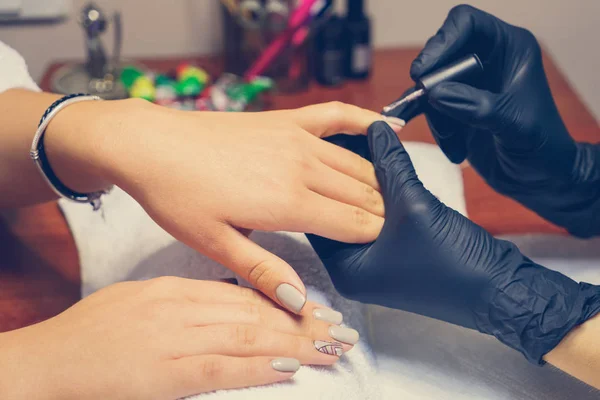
column 39, row 270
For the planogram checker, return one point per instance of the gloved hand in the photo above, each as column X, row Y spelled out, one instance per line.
column 432, row 261
column 507, row 125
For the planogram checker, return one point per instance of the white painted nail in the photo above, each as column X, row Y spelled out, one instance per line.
column 285, row 364
column 326, row 315
column 344, row 335
column 395, row 122
column 290, row 297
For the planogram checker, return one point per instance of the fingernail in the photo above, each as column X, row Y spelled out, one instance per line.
column 290, row 297
column 285, row 364
column 331, row 348
column 344, row 335
column 326, row 315
column 395, row 122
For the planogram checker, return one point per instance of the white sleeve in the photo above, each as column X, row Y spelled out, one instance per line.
column 13, row 71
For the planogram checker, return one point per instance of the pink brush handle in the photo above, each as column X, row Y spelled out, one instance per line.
column 297, row 20
column 300, row 36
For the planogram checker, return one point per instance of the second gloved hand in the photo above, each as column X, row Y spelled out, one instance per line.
column 507, row 124
column 432, row 261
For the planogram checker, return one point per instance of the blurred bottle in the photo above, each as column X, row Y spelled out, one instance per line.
column 329, row 53
column 357, row 37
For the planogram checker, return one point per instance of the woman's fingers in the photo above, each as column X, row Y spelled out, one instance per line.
column 340, row 187
column 222, row 303
column 328, row 119
column 335, row 220
column 263, row 270
column 267, row 317
column 206, row 373
column 250, row 340
column 346, row 162
column 209, row 292
column 223, row 293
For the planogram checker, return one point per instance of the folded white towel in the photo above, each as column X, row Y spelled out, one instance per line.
column 400, row 356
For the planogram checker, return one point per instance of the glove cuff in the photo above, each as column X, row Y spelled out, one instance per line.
column 533, row 308
column 584, row 305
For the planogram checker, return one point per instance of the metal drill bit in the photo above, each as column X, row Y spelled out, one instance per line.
column 411, row 97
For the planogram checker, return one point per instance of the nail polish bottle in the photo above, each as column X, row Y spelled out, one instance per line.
column 329, row 53
column 358, row 41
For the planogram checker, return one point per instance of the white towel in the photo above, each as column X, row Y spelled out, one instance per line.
column 13, row 71
column 400, row 355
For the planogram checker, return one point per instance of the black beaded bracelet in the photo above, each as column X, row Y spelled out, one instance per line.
column 38, row 153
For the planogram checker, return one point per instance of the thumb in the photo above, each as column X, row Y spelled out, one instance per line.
column 403, row 193
column 262, row 269
column 393, row 167
column 471, row 106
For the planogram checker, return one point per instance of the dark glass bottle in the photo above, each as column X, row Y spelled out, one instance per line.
column 358, row 57
column 329, row 53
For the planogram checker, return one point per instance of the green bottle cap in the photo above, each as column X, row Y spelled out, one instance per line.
column 163, row 80
column 129, row 75
column 189, row 86
column 247, row 92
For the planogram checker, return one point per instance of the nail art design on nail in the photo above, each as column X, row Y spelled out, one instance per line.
column 331, row 348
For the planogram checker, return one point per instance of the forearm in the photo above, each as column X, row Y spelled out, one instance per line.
column 20, row 182
column 76, row 142
column 578, row 354
column 23, row 373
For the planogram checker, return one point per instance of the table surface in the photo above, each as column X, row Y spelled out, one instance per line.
column 39, row 268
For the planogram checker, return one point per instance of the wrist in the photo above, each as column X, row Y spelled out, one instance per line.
column 578, row 354
column 23, row 376
column 82, row 143
column 140, row 140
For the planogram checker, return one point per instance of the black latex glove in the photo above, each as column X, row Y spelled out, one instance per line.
column 432, row 261
column 507, row 124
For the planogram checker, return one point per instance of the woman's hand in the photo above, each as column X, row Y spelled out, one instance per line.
column 165, row 338
column 207, row 178
column 210, row 178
